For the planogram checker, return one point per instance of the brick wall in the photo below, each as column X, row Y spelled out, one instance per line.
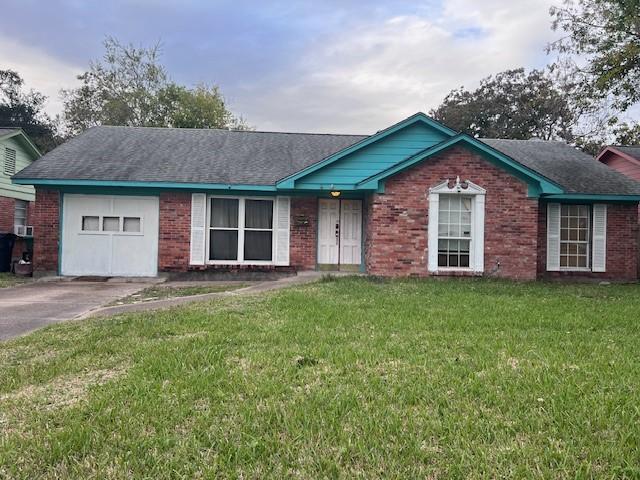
column 622, row 245
column 46, row 225
column 175, row 231
column 304, row 226
column 175, row 235
column 7, row 206
column 396, row 230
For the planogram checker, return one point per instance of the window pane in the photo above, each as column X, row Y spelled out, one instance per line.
column 223, row 245
column 224, row 212
column 464, row 260
column 110, row 224
column 257, row 245
column 258, row 214
column 90, row 224
column 131, row 224
column 20, row 213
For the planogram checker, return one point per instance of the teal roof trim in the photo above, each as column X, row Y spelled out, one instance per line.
column 538, row 184
column 583, row 197
column 289, row 182
column 176, row 185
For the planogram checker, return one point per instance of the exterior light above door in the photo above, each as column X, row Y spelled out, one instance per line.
column 335, row 193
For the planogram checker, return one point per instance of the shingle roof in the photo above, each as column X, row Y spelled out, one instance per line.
column 572, row 169
column 262, row 158
column 185, row 155
column 631, row 150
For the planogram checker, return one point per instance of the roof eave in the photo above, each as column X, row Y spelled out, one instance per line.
column 27, row 141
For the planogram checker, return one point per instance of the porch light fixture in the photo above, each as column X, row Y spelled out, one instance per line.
column 335, row 193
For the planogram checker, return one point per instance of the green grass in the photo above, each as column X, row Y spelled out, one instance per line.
column 10, row 280
column 344, row 378
column 160, row 292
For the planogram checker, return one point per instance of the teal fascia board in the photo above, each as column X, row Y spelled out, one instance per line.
column 160, row 185
column 536, row 182
column 584, row 197
column 289, row 182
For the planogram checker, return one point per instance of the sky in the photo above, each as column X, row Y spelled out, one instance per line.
column 328, row 66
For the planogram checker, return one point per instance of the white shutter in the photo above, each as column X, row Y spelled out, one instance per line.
column 198, row 223
column 599, row 260
column 478, row 233
column 553, row 237
column 432, row 232
column 282, row 231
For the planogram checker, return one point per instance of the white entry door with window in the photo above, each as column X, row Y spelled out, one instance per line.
column 108, row 235
column 339, row 232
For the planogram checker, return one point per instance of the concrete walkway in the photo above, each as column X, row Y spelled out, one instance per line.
column 299, row 279
column 28, row 307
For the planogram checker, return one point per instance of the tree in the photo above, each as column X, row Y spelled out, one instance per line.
column 511, row 104
column 24, row 110
column 604, row 37
column 130, row 86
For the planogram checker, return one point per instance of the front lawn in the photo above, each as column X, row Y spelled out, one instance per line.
column 344, row 378
column 162, row 291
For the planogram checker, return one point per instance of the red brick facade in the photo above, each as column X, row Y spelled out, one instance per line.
column 395, row 226
column 304, row 227
column 396, row 231
column 622, row 246
column 175, row 231
column 46, row 230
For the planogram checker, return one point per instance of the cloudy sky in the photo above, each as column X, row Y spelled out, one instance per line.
column 348, row 66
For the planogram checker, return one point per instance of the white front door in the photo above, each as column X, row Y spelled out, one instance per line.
column 328, row 231
column 350, row 232
column 340, row 232
column 110, row 235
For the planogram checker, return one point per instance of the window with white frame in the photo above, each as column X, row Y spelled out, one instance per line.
column 20, row 213
column 456, row 227
column 454, row 231
column 575, row 225
column 240, row 230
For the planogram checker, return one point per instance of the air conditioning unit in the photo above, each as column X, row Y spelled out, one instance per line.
column 23, row 230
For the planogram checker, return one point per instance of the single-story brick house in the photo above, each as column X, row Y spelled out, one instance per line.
column 414, row 199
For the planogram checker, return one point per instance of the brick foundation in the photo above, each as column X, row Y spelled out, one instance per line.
column 396, row 230
column 622, row 246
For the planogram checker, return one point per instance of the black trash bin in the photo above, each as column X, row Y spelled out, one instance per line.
column 6, row 247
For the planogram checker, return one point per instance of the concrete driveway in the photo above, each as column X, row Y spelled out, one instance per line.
column 29, row 307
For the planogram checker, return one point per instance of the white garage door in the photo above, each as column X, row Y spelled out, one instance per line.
column 110, row 235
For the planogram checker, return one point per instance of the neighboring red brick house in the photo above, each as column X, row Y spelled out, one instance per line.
column 16, row 201
column 414, row 199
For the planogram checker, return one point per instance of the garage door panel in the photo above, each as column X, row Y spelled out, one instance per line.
column 132, row 250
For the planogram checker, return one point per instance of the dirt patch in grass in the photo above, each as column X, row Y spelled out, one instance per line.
column 161, row 292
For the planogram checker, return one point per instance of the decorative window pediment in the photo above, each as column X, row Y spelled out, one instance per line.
column 465, row 187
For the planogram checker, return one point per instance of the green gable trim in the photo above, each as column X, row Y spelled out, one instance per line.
column 25, row 140
column 538, row 184
column 584, row 197
column 289, row 182
column 160, row 185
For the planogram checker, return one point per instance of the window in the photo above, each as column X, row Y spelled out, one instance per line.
column 9, row 161
column 20, row 213
column 240, row 230
column 258, row 234
column 131, row 224
column 90, row 224
column 454, row 231
column 110, row 224
column 575, row 224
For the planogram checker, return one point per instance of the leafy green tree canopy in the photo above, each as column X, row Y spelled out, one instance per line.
column 24, row 109
column 130, row 86
column 602, row 43
column 511, row 104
